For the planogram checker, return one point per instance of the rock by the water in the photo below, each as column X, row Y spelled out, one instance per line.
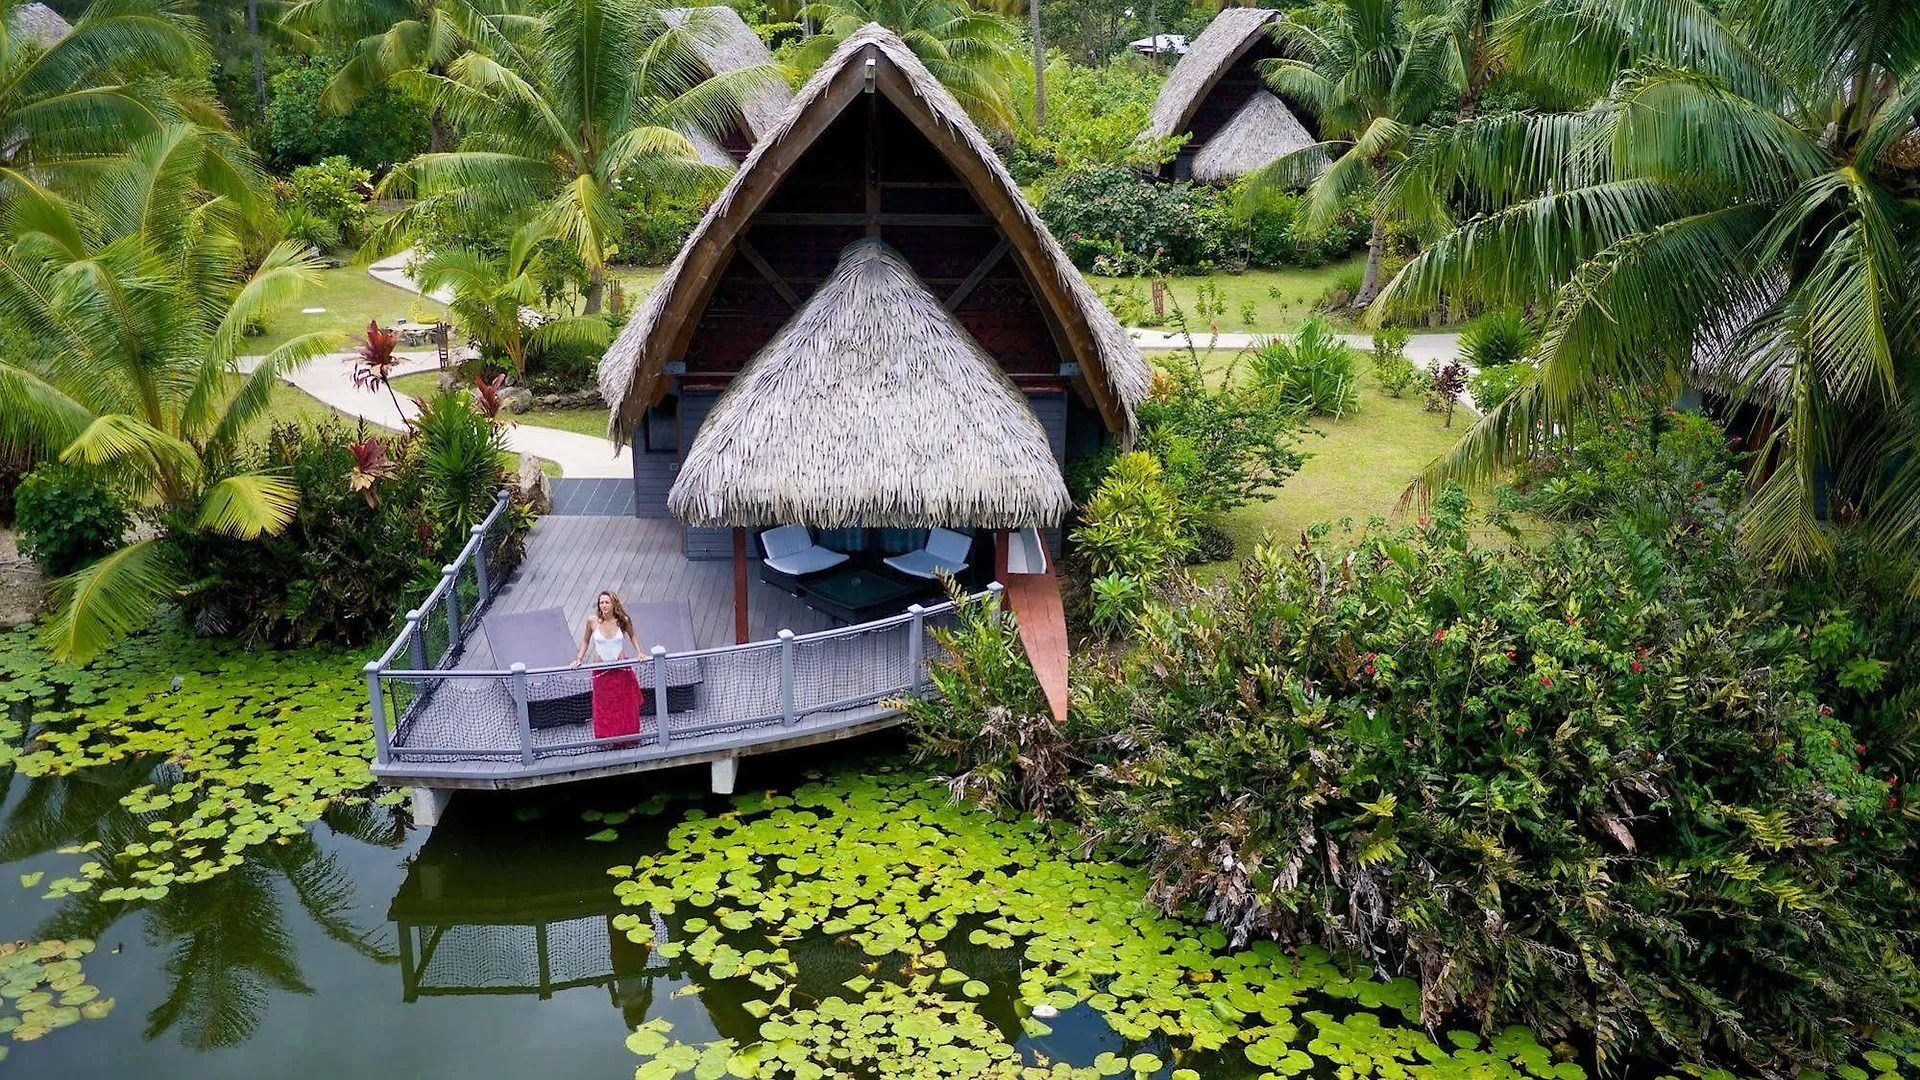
column 516, row 399
column 535, row 485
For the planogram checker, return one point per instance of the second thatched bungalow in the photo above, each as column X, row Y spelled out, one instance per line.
column 1235, row 124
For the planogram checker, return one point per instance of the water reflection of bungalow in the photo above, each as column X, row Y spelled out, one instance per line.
column 506, row 911
column 870, row 362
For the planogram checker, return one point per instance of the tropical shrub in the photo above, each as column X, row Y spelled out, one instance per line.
column 385, row 127
column 1276, row 236
column 334, row 191
column 1312, row 371
column 1220, row 443
column 1492, row 385
column 67, row 517
column 1391, row 369
column 1095, row 115
column 378, row 516
column 1449, row 381
column 654, row 221
column 1589, row 784
column 1135, row 223
column 1132, row 534
column 1498, row 337
column 1641, row 444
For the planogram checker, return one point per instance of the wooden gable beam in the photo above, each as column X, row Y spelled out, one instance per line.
column 759, row 263
column 979, row 274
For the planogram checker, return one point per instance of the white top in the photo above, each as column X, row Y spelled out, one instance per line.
column 609, row 649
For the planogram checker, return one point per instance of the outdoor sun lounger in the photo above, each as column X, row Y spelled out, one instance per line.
column 945, row 553
column 542, row 639
column 790, row 549
column 670, row 625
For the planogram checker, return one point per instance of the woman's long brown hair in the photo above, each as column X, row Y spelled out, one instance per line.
column 619, row 614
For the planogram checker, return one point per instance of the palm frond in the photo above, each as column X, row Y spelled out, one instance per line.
column 249, row 505
column 109, row 599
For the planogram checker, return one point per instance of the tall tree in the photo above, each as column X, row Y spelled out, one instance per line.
column 598, row 93
column 139, row 305
column 1372, row 73
column 974, row 53
column 1738, row 208
column 392, row 36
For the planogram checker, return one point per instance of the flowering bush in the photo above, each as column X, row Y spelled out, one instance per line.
column 1586, row 785
column 1129, row 224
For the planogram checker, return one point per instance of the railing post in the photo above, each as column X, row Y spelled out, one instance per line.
column 520, row 718
column 660, row 691
column 449, row 586
column 994, row 592
column 416, row 645
column 786, row 678
column 916, row 646
column 479, row 535
column 376, row 701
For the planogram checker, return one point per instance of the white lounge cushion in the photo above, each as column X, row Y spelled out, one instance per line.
column 945, row 553
column 811, row 560
column 785, row 540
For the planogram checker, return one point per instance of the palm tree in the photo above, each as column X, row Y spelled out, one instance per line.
column 391, row 36
column 1740, row 205
column 975, row 53
column 1372, row 74
column 139, row 307
column 494, row 298
column 64, row 106
column 598, row 93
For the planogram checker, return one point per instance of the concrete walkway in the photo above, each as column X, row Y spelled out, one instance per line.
column 1425, row 350
column 330, row 379
column 393, row 271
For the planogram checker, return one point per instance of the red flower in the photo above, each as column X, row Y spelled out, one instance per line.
column 1780, row 758
column 1699, row 485
column 1440, row 634
column 1511, row 655
column 1636, row 667
column 1826, row 710
column 1369, row 669
column 1859, row 748
column 1544, row 681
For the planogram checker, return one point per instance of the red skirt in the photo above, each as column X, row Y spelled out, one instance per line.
column 617, row 701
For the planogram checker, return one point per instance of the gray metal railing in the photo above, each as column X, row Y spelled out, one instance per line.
column 424, row 710
column 434, row 632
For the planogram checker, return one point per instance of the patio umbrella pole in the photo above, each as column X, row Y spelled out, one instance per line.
column 740, row 586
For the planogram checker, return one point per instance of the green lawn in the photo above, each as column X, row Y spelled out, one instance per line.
column 352, row 297
column 1356, row 467
column 580, row 421
column 1297, row 289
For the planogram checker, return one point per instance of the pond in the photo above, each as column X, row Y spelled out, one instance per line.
column 201, row 886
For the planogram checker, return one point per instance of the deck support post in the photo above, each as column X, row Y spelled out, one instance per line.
column 724, row 772
column 479, row 534
column 377, row 707
column 429, row 804
column 416, row 645
column 448, row 579
column 740, row 631
column 786, row 678
column 521, row 721
column 1001, row 543
column 660, row 692
column 916, row 647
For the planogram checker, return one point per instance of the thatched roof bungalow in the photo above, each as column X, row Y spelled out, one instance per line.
column 1215, row 94
column 724, row 44
column 39, row 24
column 870, row 329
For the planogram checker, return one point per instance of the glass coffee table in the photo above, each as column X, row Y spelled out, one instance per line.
column 858, row 595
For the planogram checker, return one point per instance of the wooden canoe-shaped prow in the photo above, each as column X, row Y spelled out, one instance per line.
column 1043, row 630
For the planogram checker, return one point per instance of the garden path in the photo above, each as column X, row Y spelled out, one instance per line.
column 330, row 379
column 1425, row 350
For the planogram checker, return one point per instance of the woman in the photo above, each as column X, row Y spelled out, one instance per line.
column 617, row 699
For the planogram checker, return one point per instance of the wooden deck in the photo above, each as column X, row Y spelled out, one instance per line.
column 459, row 728
column 570, row 559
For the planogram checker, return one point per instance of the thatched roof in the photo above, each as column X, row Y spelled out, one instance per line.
column 631, row 373
column 40, row 24
column 1225, row 40
column 872, row 406
column 727, row 44
column 1261, row 132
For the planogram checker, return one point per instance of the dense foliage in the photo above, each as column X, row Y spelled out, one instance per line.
column 353, row 559
column 1599, row 785
column 67, row 517
column 1094, row 116
column 1312, row 371
column 383, row 128
column 1113, row 220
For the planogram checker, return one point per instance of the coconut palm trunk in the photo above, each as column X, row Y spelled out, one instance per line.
column 1039, row 66
column 1370, row 285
